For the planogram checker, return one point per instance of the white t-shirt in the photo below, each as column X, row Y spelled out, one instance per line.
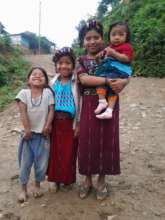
column 37, row 109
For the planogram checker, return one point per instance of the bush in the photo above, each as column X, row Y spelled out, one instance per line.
column 12, row 71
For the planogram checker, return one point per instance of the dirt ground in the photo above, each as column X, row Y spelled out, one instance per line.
column 137, row 194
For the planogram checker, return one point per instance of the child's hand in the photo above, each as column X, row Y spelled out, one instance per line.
column 109, row 51
column 100, row 56
column 27, row 134
column 46, row 130
column 77, row 129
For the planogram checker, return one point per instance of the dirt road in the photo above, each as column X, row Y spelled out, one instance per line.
column 137, row 194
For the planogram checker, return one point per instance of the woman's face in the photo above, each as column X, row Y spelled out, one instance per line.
column 37, row 78
column 93, row 42
column 64, row 66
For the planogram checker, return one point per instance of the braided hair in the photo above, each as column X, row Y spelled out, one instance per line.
column 91, row 24
column 65, row 51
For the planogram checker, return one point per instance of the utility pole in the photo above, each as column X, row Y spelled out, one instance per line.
column 39, row 29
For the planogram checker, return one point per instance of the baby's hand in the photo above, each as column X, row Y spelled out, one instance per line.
column 100, row 56
column 109, row 51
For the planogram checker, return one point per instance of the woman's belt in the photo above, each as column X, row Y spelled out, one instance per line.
column 89, row 91
column 62, row 115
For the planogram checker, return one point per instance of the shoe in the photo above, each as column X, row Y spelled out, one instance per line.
column 102, row 193
column 101, row 106
column 105, row 115
column 84, row 191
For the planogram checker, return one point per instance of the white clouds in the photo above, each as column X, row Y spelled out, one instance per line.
column 58, row 17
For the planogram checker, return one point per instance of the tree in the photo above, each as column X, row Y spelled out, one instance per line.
column 103, row 7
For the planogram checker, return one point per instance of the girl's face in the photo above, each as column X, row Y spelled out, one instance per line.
column 93, row 42
column 64, row 66
column 118, row 35
column 37, row 78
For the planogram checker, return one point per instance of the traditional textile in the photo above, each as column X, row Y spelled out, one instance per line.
column 64, row 98
column 98, row 150
column 62, row 161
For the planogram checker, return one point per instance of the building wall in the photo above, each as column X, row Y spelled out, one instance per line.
column 19, row 40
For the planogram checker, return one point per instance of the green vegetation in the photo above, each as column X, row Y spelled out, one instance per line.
column 12, row 71
column 146, row 20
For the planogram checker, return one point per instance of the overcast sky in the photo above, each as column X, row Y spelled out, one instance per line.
column 58, row 17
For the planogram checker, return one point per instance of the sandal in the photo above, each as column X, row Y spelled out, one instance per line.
column 84, row 191
column 102, row 193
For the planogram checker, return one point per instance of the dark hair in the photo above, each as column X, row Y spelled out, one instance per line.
column 65, row 51
column 91, row 24
column 44, row 73
column 120, row 23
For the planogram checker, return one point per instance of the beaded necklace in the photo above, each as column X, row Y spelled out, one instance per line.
column 38, row 103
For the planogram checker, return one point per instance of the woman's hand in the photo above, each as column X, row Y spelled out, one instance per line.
column 118, row 84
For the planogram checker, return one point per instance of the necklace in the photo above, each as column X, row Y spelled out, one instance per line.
column 37, row 102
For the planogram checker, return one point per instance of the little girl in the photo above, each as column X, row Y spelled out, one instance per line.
column 116, row 64
column 36, row 112
column 62, row 161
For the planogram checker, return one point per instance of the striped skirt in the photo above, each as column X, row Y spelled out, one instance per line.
column 98, row 150
column 62, row 161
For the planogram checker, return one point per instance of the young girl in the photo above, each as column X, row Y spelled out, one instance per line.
column 62, row 162
column 116, row 64
column 98, row 150
column 36, row 111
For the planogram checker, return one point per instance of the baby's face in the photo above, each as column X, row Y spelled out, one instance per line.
column 118, row 35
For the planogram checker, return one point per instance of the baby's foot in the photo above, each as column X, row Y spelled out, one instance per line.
column 105, row 115
column 101, row 106
column 22, row 197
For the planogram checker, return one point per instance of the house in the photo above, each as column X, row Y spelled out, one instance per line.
column 20, row 40
column 28, row 42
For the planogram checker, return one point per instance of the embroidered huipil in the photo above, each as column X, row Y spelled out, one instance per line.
column 64, row 100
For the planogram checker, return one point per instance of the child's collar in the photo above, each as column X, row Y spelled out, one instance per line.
column 73, row 78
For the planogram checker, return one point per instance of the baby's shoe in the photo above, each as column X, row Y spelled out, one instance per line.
column 105, row 115
column 101, row 106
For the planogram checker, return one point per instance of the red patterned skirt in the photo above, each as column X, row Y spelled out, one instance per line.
column 98, row 151
column 62, row 160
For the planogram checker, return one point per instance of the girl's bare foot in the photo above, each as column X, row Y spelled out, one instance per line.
column 22, row 197
column 37, row 193
column 54, row 187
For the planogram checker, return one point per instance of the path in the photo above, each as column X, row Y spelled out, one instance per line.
column 137, row 194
